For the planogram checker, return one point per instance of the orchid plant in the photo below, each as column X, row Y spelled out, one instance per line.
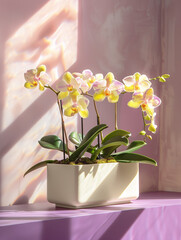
column 73, row 97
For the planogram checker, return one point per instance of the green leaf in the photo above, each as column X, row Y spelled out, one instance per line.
column 92, row 149
column 108, row 149
column 86, row 142
column 135, row 145
column 112, row 135
column 75, row 138
column 39, row 165
column 166, row 75
column 52, row 142
column 134, row 157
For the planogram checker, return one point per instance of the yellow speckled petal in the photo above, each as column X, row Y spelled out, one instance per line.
column 99, row 96
column 83, row 102
column 149, row 110
column 69, row 112
column 84, row 113
column 137, row 76
column 41, row 68
column 63, row 95
column 67, row 77
column 74, row 93
column 137, row 97
column 113, row 98
column 109, row 78
column 67, row 102
column 129, row 89
column 41, row 86
column 149, row 93
column 29, row 85
column 133, row 104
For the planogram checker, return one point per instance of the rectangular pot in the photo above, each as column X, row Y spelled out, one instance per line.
column 80, row 186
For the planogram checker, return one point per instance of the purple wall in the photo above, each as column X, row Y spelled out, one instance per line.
column 122, row 36
column 170, row 137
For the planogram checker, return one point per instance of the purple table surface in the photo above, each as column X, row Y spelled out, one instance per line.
column 155, row 215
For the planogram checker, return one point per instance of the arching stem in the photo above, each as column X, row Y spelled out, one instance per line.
column 63, row 124
column 59, row 102
column 144, row 125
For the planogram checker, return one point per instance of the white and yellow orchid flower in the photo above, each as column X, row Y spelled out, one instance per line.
column 148, row 101
column 107, row 87
column 67, row 85
column 35, row 77
column 136, row 83
column 75, row 103
column 86, row 78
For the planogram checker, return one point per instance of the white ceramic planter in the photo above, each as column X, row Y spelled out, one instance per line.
column 80, row 186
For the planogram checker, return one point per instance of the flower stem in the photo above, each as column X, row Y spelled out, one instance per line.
column 87, row 94
column 116, row 116
column 82, row 128
column 63, row 138
column 52, row 90
column 144, row 124
column 98, row 117
column 63, row 126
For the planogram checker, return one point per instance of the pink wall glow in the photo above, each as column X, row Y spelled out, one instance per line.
column 122, row 36
column 170, row 137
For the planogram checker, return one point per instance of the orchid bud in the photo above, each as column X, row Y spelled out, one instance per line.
column 147, row 118
column 142, row 133
column 152, row 128
column 149, row 136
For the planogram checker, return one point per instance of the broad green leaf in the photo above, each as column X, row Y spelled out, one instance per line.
column 166, row 75
column 92, row 131
column 135, row 145
column 108, row 149
column 117, row 139
column 52, row 142
column 75, row 138
column 134, row 157
column 119, row 132
column 39, row 165
column 86, row 142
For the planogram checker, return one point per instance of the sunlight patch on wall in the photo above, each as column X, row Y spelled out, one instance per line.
column 49, row 37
